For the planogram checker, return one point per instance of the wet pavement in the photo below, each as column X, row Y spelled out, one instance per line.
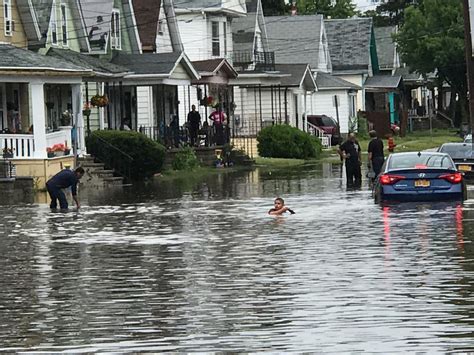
column 200, row 266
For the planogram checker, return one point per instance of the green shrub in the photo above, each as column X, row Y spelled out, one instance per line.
column 185, row 159
column 284, row 141
column 147, row 155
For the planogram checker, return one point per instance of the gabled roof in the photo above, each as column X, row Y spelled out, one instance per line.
column 97, row 17
column 386, row 49
column 295, row 39
column 244, row 28
column 154, row 64
column 211, row 67
column 14, row 58
column 29, row 22
column 325, row 81
column 349, row 43
column 147, row 14
column 383, row 82
column 300, row 76
column 100, row 67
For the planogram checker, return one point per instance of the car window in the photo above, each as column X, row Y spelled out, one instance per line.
column 413, row 161
column 458, row 150
column 327, row 121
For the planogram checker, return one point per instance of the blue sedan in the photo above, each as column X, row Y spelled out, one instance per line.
column 419, row 176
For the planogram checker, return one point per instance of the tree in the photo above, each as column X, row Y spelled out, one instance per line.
column 328, row 8
column 275, row 7
column 431, row 40
column 390, row 13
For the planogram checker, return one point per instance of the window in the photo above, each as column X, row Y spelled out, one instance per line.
column 7, row 10
column 64, row 23
column 54, row 25
column 116, row 42
column 216, row 46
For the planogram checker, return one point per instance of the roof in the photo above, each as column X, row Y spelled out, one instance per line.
column 97, row 16
column 99, row 66
column 326, row 81
column 349, row 43
column 211, row 67
column 243, row 32
column 300, row 74
column 153, row 64
column 22, row 59
column 295, row 39
column 383, row 82
column 386, row 49
column 405, row 73
column 146, row 13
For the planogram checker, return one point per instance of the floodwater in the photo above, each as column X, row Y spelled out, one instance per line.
column 200, row 266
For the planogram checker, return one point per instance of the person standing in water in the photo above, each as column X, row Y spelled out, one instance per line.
column 279, row 208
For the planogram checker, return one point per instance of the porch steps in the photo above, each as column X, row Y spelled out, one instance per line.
column 97, row 175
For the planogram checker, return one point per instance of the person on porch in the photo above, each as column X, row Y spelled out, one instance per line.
column 219, row 118
column 194, row 121
column 62, row 180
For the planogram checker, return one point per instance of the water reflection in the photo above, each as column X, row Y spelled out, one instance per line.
column 200, row 266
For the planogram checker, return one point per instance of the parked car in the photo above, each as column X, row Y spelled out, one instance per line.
column 328, row 125
column 462, row 155
column 468, row 138
column 421, row 176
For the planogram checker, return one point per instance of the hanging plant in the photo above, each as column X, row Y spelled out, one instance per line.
column 99, row 101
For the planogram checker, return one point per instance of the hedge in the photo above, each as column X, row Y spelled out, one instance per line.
column 148, row 156
column 284, row 141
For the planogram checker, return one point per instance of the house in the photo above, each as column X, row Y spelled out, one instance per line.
column 205, row 27
column 353, row 52
column 26, row 82
column 313, row 48
column 11, row 27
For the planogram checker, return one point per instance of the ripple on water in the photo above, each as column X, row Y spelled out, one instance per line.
column 211, row 271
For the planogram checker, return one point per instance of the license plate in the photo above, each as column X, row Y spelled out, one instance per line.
column 422, row 183
column 465, row 167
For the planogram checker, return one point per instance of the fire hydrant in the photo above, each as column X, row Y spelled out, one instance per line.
column 391, row 144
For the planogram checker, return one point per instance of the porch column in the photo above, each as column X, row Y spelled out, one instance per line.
column 36, row 93
column 80, row 141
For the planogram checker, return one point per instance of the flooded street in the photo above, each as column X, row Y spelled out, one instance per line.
column 200, row 266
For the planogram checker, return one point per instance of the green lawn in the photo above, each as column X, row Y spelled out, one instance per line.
column 412, row 142
column 419, row 141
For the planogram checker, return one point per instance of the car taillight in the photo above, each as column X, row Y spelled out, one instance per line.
column 387, row 179
column 454, row 178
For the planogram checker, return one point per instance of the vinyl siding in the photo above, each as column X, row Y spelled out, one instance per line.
column 322, row 104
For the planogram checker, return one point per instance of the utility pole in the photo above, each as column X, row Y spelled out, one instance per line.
column 467, row 4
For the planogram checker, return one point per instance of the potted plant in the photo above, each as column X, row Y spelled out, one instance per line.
column 8, row 153
column 99, row 100
column 86, row 110
column 50, row 153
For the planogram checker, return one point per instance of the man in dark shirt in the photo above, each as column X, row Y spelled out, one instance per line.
column 375, row 150
column 194, row 121
column 64, row 179
column 350, row 153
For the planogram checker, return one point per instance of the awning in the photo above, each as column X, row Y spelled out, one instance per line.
column 383, row 83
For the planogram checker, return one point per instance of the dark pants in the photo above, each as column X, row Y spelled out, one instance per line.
column 377, row 163
column 353, row 174
column 57, row 194
column 193, row 135
column 219, row 137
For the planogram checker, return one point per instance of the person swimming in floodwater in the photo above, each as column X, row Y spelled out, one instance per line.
column 279, row 208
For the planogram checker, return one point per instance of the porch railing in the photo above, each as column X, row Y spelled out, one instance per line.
column 318, row 132
column 262, row 60
column 22, row 145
